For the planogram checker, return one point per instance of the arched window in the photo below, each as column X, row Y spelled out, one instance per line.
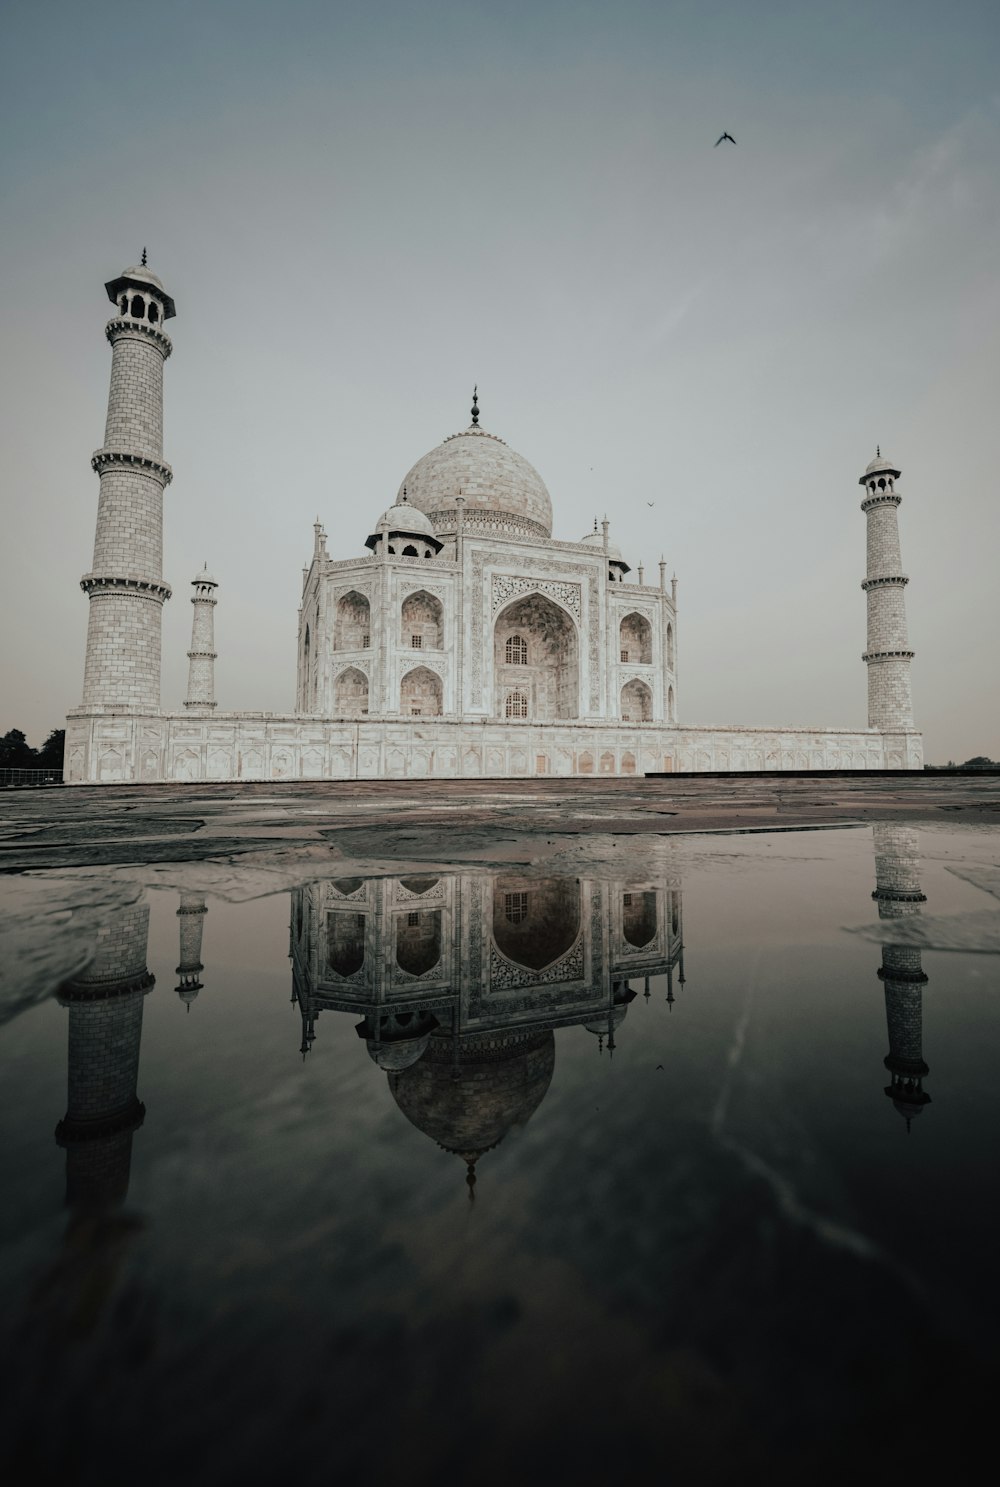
column 154, row 313
column 422, row 622
column 124, row 304
column 635, row 636
column 138, row 306
column 352, row 623
column 516, row 653
column 516, row 705
column 409, row 551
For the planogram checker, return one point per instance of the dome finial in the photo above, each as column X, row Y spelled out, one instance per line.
column 878, row 451
column 475, row 406
column 144, row 258
column 405, row 496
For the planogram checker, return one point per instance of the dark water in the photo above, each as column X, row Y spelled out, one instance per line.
column 476, row 1176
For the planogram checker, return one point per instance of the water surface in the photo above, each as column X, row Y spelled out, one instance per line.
column 664, row 1173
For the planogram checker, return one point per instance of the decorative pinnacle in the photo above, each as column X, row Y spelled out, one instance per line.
column 406, row 498
column 878, row 451
column 475, row 406
column 144, row 258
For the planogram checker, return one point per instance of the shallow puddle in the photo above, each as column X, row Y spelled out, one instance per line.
column 674, row 1170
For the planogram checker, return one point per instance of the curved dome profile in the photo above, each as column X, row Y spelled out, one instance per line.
column 468, row 1103
column 489, row 475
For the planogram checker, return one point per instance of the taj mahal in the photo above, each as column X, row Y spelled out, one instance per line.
column 465, row 640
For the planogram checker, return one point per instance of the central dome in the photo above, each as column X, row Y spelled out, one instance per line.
column 492, row 479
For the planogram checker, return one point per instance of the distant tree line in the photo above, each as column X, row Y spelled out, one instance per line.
column 979, row 762
column 17, row 753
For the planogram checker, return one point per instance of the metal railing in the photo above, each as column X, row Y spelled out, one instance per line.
column 29, row 777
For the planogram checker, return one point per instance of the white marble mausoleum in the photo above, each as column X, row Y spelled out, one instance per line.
column 464, row 640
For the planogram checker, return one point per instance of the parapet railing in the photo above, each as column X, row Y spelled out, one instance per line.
column 31, row 777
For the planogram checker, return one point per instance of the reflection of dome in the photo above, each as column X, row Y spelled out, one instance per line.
column 468, row 1098
column 395, row 1056
column 490, row 476
column 396, row 1040
column 601, row 1025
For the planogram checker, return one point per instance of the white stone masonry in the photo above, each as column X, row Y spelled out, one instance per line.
column 887, row 655
column 201, row 656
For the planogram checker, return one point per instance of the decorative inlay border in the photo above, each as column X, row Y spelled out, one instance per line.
column 888, row 655
column 506, row 973
column 506, row 587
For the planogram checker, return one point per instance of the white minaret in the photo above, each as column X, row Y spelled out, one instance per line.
column 125, row 585
column 201, row 656
column 888, row 656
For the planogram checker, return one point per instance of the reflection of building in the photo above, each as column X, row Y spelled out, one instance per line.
column 461, row 981
column 465, row 639
column 105, row 1029
column 898, row 895
column 191, row 914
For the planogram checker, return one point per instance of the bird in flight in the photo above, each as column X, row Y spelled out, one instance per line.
column 650, row 503
column 722, row 136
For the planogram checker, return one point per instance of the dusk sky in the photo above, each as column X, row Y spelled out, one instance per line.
column 363, row 209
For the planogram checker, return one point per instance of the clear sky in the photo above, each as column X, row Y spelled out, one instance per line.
column 361, row 209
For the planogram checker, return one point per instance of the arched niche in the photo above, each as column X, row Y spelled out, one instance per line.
column 635, row 638
column 350, row 694
column 670, row 706
column 352, row 623
column 546, row 668
column 345, row 942
column 636, row 702
column 418, row 885
column 418, row 941
column 420, row 694
column 422, row 622
column 639, row 918
column 535, row 920
column 670, row 645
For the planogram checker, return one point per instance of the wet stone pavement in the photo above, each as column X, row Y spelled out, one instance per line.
column 590, row 1129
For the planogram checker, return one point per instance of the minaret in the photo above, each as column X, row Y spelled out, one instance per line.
column 898, row 896
column 890, row 707
column 105, row 1029
column 191, row 914
column 201, row 656
column 125, row 586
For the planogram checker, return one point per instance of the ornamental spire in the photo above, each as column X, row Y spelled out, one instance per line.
column 475, row 406
column 144, row 258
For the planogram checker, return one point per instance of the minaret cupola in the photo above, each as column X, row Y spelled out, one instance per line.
column 139, row 295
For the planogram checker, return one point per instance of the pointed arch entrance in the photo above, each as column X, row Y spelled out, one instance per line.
column 536, row 657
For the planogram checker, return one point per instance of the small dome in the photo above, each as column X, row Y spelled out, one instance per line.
column 405, row 517
column 487, row 474
column 143, row 276
column 601, row 1025
column 879, row 466
column 400, row 1054
column 205, row 577
column 596, row 539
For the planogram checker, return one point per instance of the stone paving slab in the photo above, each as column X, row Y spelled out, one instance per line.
column 444, row 818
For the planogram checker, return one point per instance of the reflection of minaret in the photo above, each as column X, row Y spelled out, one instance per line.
column 105, row 1028
column 898, row 896
column 191, row 913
